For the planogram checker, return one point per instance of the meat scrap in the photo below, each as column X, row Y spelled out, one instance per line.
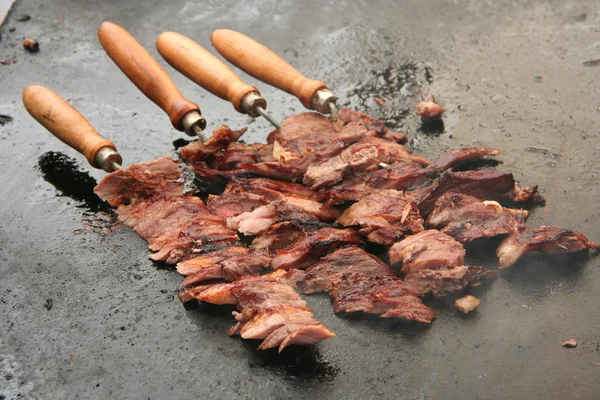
column 569, row 343
column 428, row 109
column 320, row 276
column 213, row 148
column 467, row 303
column 429, row 249
column 148, row 197
column 269, row 308
column 467, row 218
column 385, row 217
column 377, row 127
column 445, row 281
column 230, row 264
column 383, row 295
column 31, row 45
column 313, row 246
column 545, row 239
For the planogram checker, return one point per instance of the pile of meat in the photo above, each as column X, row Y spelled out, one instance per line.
column 306, row 206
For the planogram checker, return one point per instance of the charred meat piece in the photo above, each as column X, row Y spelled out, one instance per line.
column 319, row 277
column 467, row 303
column 292, row 193
column 545, row 239
column 363, row 155
column 383, row 295
column 269, row 308
column 385, row 217
column 279, row 236
column 444, row 281
column 467, row 218
column 401, row 175
column 429, row 249
column 261, row 219
column 148, row 197
column 313, row 246
column 428, row 109
column 486, row 184
column 230, row 264
column 373, row 125
column 213, row 148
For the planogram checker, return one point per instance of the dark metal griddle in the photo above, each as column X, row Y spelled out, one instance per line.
column 85, row 314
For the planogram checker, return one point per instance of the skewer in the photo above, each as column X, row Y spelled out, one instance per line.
column 206, row 70
column 260, row 62
column 68, row 125
column 145, row 73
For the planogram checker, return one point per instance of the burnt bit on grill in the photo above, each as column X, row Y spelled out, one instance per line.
column 69, row 180
column 31, row 45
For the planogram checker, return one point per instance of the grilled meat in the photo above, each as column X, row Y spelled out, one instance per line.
column 467, row 218
column 375, row 126
column 444, row 281
column 261, row 219
column 385, row 217
column 230, row 264
column 428, row 109
column 313, row 246
column 148, row 197
column 429, row 249
column 383, row 295
column 545, row 239
column 269, row 309
column 320, row 276
column 467, row 303
column 279, row 236
column 213, row 148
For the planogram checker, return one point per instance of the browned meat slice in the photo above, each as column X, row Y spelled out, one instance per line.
column 292, row 193
column 148, row 197
column 307, row 134
column 467, row 303
column 216, row 144
column 363, row 155
column 458, row 156
column 444, row 281
column 319, row 277
column 384, row 295
column 139, row 180
column 269, row 308
column 230, row 264
column 313, row 246
column 429, row 249
column 230, row 205
column 291, row 170
column 486, row 184
column 467, row 218
column 371, row 124
column 385, row 217
column 279, row 236
column 240, row 153
column 428, row 109
column 261, row 219
column 546, row 239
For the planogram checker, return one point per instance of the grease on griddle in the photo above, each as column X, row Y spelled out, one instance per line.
column 299, row 362
column 388, row 93
column 70, row 181
column 433, row 127
column 5, row 119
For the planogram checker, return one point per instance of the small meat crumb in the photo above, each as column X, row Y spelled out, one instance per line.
column 569, row 343
column 467, row 303
column 31, row 45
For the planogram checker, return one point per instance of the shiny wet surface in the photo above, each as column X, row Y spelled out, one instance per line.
column 512, row 75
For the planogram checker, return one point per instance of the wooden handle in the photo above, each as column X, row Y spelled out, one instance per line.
column 144, row 72
column 260, row 62
column 195, row 62
column 64, row 122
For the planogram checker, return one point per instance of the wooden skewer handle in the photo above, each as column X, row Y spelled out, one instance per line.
column 200, row 66
column 145, row 72
column 64, row 122
column 260, row 62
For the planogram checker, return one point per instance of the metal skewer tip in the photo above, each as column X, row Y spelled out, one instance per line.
column 268, row 117
column 115, row 166
column 199, row 132
column 334, row 113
